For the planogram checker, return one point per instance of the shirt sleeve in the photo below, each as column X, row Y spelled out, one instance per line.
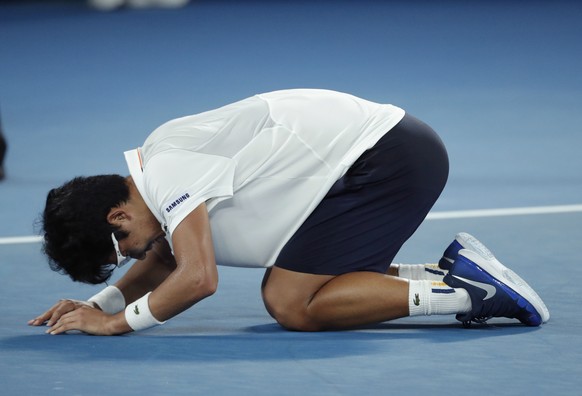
column 177, row 181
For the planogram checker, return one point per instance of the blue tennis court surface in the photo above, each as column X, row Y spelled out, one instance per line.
column 501, row 83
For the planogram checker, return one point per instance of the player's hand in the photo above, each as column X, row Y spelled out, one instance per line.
column 51, row 316
column 84, row 318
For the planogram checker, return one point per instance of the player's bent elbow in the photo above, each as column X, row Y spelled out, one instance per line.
column 210, row 288
column 204, row 287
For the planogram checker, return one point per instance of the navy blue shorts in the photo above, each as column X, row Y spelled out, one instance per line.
column 370, row 212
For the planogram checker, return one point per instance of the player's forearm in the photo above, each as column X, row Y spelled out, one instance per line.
column 182, row 289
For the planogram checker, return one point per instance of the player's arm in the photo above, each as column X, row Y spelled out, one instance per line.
column 195, row 276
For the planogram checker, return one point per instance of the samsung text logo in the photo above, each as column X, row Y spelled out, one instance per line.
column 177, row 202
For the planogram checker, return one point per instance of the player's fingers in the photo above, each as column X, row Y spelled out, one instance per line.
column 41, row 319
column 64, row 307
column 73, row 320
column 64, row 323
column 58, row 328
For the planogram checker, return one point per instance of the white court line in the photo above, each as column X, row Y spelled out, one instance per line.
column 455, row 214
column 532, row 210
column 20, row 239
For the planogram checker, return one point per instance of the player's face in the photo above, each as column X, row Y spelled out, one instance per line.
column 136, row 246
column 142, row 234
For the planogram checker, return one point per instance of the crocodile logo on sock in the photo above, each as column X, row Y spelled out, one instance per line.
column 136, row 310
column 416, row 300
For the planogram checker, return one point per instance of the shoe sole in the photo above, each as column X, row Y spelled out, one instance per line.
column 522, row 293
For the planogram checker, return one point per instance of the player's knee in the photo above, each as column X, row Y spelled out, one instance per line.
column 290, row 314
column 296, row 321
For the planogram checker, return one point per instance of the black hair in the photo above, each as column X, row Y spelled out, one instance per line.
column 77, row 235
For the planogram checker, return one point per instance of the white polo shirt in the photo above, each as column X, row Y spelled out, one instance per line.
column 262, row 165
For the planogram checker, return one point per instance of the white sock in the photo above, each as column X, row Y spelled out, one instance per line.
column 427, row 297
column 421, row 271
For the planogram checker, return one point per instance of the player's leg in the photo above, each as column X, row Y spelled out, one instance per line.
column 476, row 288
column 308, row 302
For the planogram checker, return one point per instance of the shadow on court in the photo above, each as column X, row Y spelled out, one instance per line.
column 266, row 342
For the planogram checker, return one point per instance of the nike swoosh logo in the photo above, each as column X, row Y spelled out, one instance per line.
column 489, row 289
column 449, row 260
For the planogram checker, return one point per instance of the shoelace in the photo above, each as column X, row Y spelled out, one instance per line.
column 494, row 310
column 477, row 319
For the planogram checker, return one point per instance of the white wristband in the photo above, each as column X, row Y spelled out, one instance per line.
column 139, row 316
column 110, row 300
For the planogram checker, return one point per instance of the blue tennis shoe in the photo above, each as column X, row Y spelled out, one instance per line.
column 494, row 289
